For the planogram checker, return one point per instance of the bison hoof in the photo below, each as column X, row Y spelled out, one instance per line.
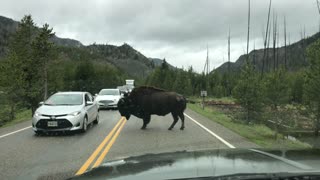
column 143, row 128
column 182, row 128
column 170, row 128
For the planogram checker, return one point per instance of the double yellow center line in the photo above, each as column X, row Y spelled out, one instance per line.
column 114, row 134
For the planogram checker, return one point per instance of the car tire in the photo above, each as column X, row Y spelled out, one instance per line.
column 96, row 121
column 38, row 133
column 84, row 125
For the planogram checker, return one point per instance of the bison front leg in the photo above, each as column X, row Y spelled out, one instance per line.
column 146, row 121
column 175, row 120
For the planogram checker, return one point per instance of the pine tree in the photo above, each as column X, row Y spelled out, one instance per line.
column 248, row 91
column 21, row 69
column 43, row 53
column 276, row 88
column 312, row 85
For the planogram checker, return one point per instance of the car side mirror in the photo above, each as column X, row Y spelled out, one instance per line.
column 89, row 103
column 41, row 103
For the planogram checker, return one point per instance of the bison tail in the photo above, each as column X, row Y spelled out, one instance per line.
column 182, row 101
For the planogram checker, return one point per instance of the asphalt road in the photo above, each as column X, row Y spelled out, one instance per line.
column 24, row 155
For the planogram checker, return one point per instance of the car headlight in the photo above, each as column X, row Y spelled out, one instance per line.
column 75, row 113
column 37, row 114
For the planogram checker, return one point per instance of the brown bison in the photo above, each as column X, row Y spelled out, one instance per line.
column 144, row 101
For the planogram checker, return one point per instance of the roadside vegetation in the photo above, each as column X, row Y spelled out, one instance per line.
column 21, row 116
column 259, row 134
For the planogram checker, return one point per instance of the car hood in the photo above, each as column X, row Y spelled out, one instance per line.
column 107, row 97
column 58, row 110
column 206, row 163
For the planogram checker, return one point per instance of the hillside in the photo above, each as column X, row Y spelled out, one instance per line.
column 124, row 57
column 158, row 62
column 296, row 58
column 9, row 26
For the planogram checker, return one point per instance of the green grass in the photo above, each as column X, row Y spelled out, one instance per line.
column 258, row 133
column 21, row 116
column 222, row 99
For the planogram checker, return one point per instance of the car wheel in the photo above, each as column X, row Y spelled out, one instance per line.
column 38, row 133
column 85, row 124
column 96, row 121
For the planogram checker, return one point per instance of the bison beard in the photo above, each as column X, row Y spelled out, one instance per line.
column 146, row 101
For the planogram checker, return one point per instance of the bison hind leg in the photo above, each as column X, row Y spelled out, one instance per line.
column 175, row 120
column 181, row 115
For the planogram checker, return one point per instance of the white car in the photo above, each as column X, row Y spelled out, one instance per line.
column 108, row 98
column 66, row 111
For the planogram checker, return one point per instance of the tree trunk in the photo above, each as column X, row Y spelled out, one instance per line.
column 265, row 42
column 12, row 112
column 317, row 125
column 33, row 109
column 45, row 82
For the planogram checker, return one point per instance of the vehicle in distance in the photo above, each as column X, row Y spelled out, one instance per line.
column 65, row 111
column 130, row 84
column 108, row 98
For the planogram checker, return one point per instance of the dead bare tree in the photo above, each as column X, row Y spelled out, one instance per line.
column 303, row 37
column 278, row 45
column 229, row 51
column 265, row 40
column 254, row 54
column 228, row 78
column 274, row 40
column 285, row 42
column 289, row 49
column 268, row 62
column 248, row 35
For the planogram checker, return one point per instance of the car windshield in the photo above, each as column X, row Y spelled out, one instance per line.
column 113, row 92
column 64, row 99
column 239, row 78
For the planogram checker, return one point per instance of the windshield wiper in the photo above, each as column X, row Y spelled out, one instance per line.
column 267, row 176
column 67, row 104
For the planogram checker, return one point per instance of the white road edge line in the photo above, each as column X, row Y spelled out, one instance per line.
column 210, row 132
column 2, row 136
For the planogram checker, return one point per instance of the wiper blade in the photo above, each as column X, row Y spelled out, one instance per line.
column 66, row 104
column 267, row 176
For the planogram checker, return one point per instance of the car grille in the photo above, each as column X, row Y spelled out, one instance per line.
column 60, row 115
column 106, row 101
column 62, row 123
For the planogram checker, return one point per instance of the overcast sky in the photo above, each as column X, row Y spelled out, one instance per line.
column 178, row 30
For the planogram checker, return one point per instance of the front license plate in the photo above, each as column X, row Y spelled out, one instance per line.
column 52, row 123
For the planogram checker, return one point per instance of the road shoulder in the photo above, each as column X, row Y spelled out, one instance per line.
column 225, row 133
column 15, row 127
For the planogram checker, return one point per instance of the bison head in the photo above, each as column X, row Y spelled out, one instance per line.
column 124, row 106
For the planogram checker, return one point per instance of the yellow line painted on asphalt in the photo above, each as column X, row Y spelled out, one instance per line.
column 106, row 150
column 85, row 166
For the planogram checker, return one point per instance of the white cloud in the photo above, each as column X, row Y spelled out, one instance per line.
column 177, row 30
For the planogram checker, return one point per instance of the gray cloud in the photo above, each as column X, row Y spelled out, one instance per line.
column 177, row 30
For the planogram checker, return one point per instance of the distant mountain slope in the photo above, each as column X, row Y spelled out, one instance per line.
column 296, row 58
column 158, row 62
column 123, row 57
column 9, row 26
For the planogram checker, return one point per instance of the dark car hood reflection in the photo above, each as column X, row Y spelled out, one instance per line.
column 207, row 163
